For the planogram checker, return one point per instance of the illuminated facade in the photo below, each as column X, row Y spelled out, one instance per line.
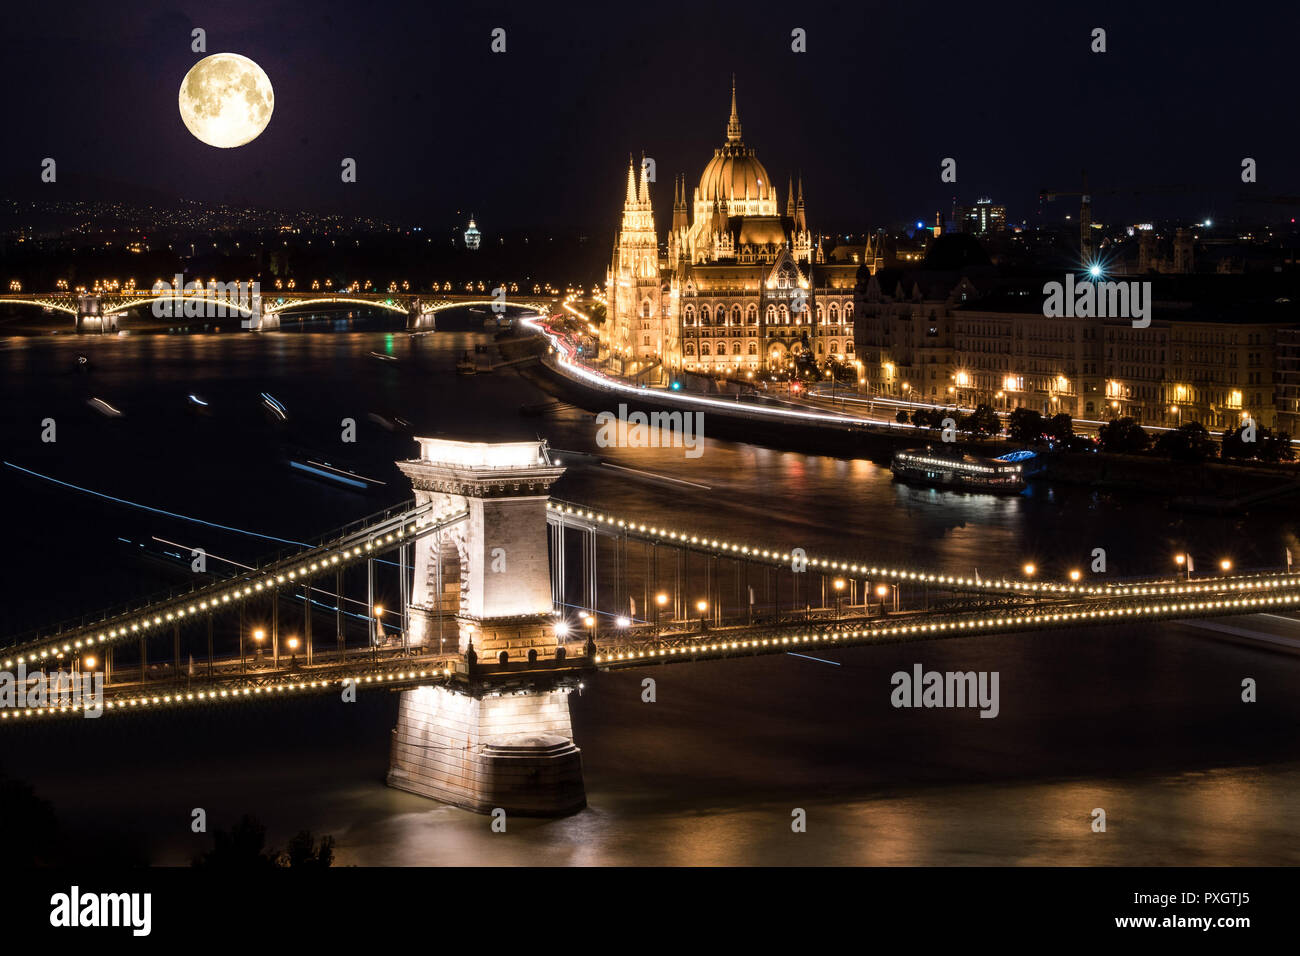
column 740, row 289
column 925, row 345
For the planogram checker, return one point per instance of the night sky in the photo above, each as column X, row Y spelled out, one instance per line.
column 539, row 137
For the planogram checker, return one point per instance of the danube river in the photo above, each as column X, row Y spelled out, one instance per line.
column 1144, row 722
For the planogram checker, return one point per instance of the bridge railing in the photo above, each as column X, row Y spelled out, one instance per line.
column 327, row 539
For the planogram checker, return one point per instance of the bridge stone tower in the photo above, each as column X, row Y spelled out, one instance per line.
column 498, row 735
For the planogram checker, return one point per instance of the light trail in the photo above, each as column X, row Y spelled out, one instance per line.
column 159, row 511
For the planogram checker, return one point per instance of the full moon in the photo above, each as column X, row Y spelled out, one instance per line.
column 226, row 100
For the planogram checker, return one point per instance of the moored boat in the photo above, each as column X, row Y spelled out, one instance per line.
column 956, row 469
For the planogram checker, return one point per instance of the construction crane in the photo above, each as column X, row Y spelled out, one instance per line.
column 1085, row 215
column 1085, row 204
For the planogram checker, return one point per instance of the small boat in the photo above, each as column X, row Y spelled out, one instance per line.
column 382, row 357
column 466, row 365
column 955, row 469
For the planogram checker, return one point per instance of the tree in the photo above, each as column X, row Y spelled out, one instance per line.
column 302, row 852
column 1268, row 445
column 1276, row 446
column 927, row 417
column 240, row 849
column 1060, row 428
column 1123, row 435
column 243, row 848
column 26, row 842
column 982, row 421
column 597, row 313
column 1188, row 442
column 1025, row 425
column 901, row 417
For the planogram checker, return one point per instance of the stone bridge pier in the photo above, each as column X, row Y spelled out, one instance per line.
column 92, row 317
column 419, row 317
column 498, row 735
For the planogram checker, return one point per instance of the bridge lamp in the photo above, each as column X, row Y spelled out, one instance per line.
column 701, row 605
column 1076, row 574
column 882, row 590
column 588, row 620
column 839, row 584
column 379, row 611
column 1030, row 570
column 89, row 663
column 661, row 598
column 1180, row 559
column 1225, row 564
column 293, row 643
column 561, row 628
column 259, row 635
column 622, row 621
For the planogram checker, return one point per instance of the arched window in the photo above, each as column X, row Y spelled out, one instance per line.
column 753, row 314
column 771, row 313
column 818, row 311
column 645, row 309
column 722, row 348
column 690, row 348
column 753, row 348
column 835, row 314
column 848, row 347
column 848, row 311
column 690, row 315
column 735, row 315
column 785, row 314
column 835, row 348
column 819, row 348
column 704, row 348
column 704, row 315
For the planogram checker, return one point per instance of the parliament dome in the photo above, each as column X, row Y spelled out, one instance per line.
column 734, row 172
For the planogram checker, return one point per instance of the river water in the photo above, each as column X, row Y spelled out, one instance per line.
column 1143, row 722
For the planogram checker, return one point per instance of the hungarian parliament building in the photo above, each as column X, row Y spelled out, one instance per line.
column 742, row 288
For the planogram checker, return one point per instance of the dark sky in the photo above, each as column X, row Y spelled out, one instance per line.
column 538, row 137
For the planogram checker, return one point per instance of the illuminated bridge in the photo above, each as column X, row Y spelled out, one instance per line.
column 509, row 597
column 102, row 311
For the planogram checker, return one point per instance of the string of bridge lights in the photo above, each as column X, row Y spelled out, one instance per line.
column 257, row 583
column 704, row 645
column 784, row 558
column 156, row 701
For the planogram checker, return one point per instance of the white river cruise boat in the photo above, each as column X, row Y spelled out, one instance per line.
column 955, row 469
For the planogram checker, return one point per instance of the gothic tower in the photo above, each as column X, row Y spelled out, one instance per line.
column 634, row 329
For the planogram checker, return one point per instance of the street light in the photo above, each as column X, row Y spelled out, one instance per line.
column 702, row 606
column 882, row 592
column 1076, row 574
column 1225, row 565
column 661, row 599
column 1030, row 570
column 259, row 636
column 293, row 652
column 839, row 596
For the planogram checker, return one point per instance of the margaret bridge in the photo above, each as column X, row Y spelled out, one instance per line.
column 103, row 311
